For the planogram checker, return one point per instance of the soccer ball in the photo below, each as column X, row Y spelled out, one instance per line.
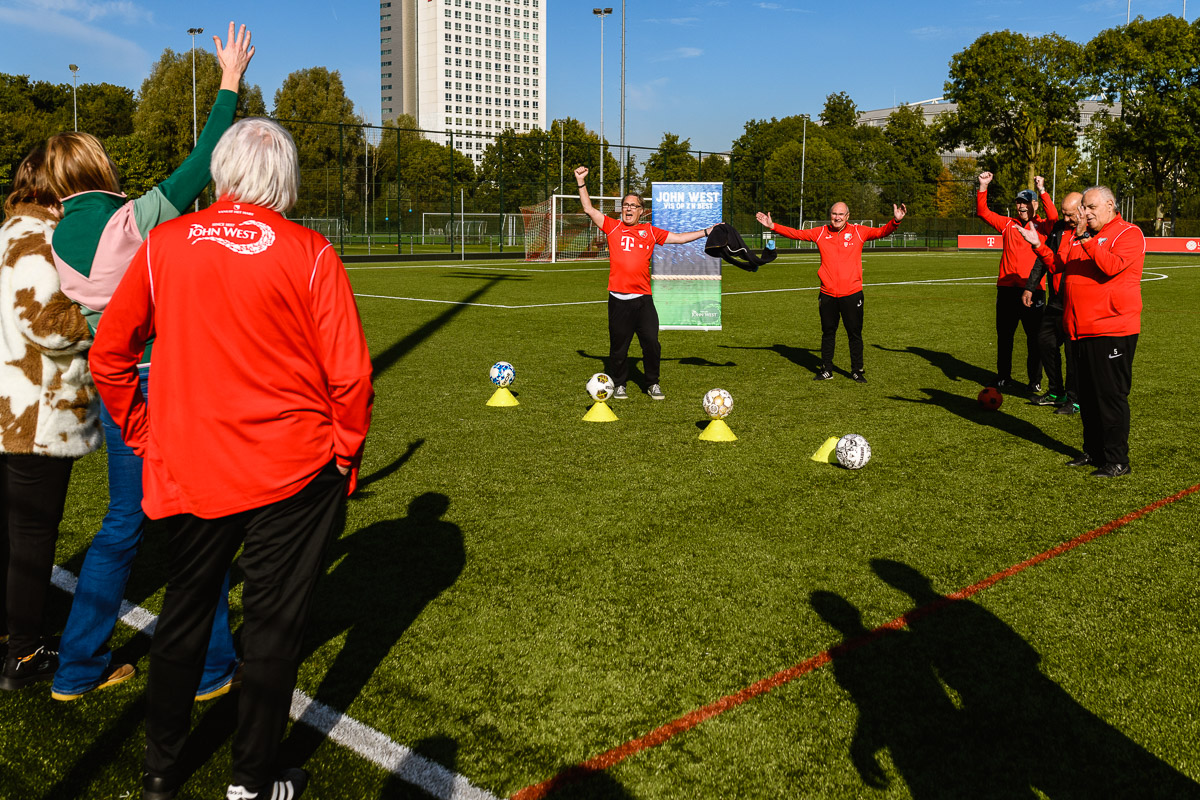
column 717, row 403
column 502, row 373
column 600, row 387
column 853, row 452
column 990, row 398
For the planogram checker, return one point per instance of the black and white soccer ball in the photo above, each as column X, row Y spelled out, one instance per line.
column 600, row 387
column 853, row 452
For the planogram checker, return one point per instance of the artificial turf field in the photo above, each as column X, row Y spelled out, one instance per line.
column 518, row 591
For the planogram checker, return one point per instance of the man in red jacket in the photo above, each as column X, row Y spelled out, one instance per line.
column 254, row 437
column 840, row 244
column 1015, row 263
column 1102, row 287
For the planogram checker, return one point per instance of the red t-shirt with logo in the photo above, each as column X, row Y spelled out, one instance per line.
column 629, row 251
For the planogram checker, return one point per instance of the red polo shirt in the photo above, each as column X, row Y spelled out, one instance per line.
column 629, row 251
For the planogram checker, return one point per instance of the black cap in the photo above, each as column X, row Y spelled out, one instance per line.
column 1025, row 196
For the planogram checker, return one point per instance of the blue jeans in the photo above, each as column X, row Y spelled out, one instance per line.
column 83, row 654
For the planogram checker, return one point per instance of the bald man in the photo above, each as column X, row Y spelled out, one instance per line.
column 841, row 298
column 1053, row 335
column 1102, row 307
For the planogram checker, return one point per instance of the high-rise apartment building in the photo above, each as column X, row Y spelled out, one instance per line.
column 472, row 68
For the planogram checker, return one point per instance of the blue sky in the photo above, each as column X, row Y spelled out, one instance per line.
column 697, row 68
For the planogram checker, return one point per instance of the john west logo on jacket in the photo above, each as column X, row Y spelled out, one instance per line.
column 244, row 238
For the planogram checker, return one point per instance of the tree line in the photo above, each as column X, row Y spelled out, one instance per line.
column 1017, row 104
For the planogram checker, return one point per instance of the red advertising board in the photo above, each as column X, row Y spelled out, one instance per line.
column 1154, row 244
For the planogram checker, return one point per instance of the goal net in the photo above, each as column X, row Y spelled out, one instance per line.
column 329, row 227
column 470, row 228
column 556, row 229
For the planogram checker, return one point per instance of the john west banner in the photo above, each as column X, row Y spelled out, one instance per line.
column 686, row 282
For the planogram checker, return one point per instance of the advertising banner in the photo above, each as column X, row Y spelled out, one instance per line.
column 685, row 281
column 1154, row 244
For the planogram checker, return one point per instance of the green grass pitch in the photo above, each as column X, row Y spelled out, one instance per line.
column 518, row 591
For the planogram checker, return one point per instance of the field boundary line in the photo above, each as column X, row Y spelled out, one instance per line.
column 682, row 724
column 361, row 739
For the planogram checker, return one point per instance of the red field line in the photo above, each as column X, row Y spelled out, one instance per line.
column 690, row 720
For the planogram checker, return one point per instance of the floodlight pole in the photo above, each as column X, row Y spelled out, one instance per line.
column 602, row 13
column 193, row 32
column 625, row 155
column 74, row 86
column 803, row 153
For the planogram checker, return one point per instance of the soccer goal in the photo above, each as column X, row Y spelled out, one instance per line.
column 556, row 229
column 329, row 227
column 469, row 228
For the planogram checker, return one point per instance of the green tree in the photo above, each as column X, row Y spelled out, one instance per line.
column 1016, row 95
column 672, row 161
column 162, row 119
column 839, row 111
column 750, row 151
column 1150, row 67
column 824, row 183
column 912, row 164
column 105, row 110
column 30, row 112
column 714, row 168
column 139, row 170
column 955, row 196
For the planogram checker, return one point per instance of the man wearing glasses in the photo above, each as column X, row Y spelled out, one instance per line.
column 630, row 304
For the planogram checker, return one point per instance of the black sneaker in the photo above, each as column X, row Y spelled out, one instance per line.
column 857, row 375
column 823, row 375
column 1034, row 388
column 1047, row 399
column 287, row 786
column 1112, row 471
column 20, row 671
column 655, row 391
column 1004, row 385
column 1067, row 408
column 156, row 787
column 1083, row 461
column 620, row 394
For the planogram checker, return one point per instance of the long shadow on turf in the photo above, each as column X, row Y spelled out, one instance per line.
column 384, row 472
column 385, row 576
column 951, row 366
column 1001, row 730
column 968, row 408
column 808, row 358
column 383, row 361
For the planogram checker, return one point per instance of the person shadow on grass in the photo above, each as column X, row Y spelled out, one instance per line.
column 383, row 577
column 969, row 409
column 902, row 708
column 1033, row 732
column 808, row 358
column 951, row 366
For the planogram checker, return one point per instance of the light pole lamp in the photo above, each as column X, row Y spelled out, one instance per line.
column 74, row 86
column 602, row 13
column 624, row 154
column 194, row 32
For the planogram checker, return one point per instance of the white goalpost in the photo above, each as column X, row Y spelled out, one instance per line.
column 556, row 229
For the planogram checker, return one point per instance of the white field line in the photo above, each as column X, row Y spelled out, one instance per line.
column 346, row 731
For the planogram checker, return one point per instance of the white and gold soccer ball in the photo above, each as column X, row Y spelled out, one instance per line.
column 717, row 403
column 600, row 387
column 853, row 452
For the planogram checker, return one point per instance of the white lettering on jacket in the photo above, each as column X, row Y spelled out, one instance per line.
column 246, row 238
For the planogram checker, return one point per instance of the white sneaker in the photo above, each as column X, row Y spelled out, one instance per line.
column 287, row 786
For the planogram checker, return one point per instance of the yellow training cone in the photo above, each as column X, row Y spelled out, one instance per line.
column 503, row 397
column 600, row 412
column 828, row 452
column 717, row 431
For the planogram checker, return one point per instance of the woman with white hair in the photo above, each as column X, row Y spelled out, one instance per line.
column 256, row 446
column 100, row 231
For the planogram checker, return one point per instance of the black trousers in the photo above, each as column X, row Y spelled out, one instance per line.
column 284, row 547
column 1105, row 376
column 1010, row 312
column 1051, row 337
column 625, row 318
column 849, row 310
column 33, row 492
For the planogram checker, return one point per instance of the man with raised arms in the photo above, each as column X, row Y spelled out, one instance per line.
column 630, row 305
column 841, row 298
column 1016, row 261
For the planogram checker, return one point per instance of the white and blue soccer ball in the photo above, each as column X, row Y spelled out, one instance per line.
column 600, row 387
column 853, row 452
column 502, row 373
column 717, row 403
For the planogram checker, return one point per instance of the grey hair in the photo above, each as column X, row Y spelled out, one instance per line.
column 256, row 162
column 1104, row 192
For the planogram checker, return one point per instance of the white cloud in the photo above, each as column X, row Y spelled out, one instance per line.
column 675, row 21
column 645, row 96
column 90, row 11
column 53, row 28
column 680, row 52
